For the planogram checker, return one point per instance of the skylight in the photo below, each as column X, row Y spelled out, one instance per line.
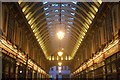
column 49, row 22
column 64, row 4
column 52, row 34
column 45, row 2
column 50, row 29
column 68, row 29
column 72, row 14
column 62, row 15
column 50, row 26
column 46, row 8
column 73, row 8
column 75, row 2
column 69, row 26
column 54, row 4
column 62, row 20
column 47, row 13
column 70, row 22
column 62, row 10
column 56, row 19
column 56, row 15
column 71, row 18
column 55, row 10
column 48, row 18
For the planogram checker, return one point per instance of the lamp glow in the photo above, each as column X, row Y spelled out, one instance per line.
column 60, row 53
column 59, row 63
column 60, row 35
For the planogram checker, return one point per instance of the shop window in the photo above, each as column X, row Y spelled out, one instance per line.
column 113, row 57
column 118, row 66
column 108, row 60
column 108, row 69
column 114, row 67
column 118, row 55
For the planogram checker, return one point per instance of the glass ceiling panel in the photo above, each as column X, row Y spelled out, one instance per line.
column 60, row 9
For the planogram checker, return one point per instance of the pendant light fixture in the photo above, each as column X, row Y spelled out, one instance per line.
column 59, row 63
column 60, row 35
column 60, row 53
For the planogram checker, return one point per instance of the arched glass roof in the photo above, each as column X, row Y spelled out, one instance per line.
column 47, row 18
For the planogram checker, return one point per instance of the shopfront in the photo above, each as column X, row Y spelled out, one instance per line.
column 8, row 66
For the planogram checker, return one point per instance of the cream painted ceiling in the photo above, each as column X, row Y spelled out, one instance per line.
column 47, row 18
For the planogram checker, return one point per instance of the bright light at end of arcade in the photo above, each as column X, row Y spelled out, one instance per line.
column 60, row 63
column 60, row 71
column 59, row 67
column 60, row 35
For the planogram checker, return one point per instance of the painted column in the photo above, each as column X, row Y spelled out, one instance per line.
column 16, row 70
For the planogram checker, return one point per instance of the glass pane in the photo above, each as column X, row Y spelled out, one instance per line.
column 108, row 69
column 113, row 67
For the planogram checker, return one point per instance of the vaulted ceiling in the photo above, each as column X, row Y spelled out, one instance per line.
column 47, row 18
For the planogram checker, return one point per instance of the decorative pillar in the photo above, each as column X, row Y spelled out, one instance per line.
column 27, row 67
column 33, row 74
column 41, row 76
column 16, row 70
column 26, row 72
